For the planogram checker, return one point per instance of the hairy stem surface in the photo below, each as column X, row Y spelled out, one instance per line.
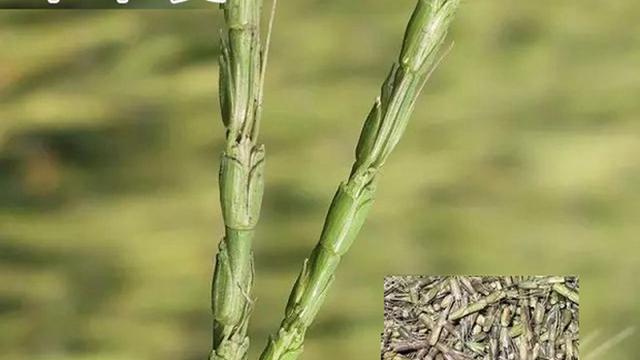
column 382, row 130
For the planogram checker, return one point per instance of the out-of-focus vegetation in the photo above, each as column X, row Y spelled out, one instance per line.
column 521, row 158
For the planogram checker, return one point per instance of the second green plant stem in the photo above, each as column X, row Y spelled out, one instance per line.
column 382, row 130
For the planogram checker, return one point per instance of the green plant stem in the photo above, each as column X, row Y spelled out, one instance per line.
column 382, row 130
column 241, row 177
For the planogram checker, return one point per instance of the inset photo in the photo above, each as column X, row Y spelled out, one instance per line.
column 481, row 318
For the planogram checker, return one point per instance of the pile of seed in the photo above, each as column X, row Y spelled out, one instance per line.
column 480, row 317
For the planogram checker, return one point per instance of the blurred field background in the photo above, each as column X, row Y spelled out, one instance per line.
column 522, row 158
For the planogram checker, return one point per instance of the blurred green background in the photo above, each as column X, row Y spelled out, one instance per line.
column 522, row 157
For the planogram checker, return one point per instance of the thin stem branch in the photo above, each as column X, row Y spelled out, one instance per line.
column 263, row 69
